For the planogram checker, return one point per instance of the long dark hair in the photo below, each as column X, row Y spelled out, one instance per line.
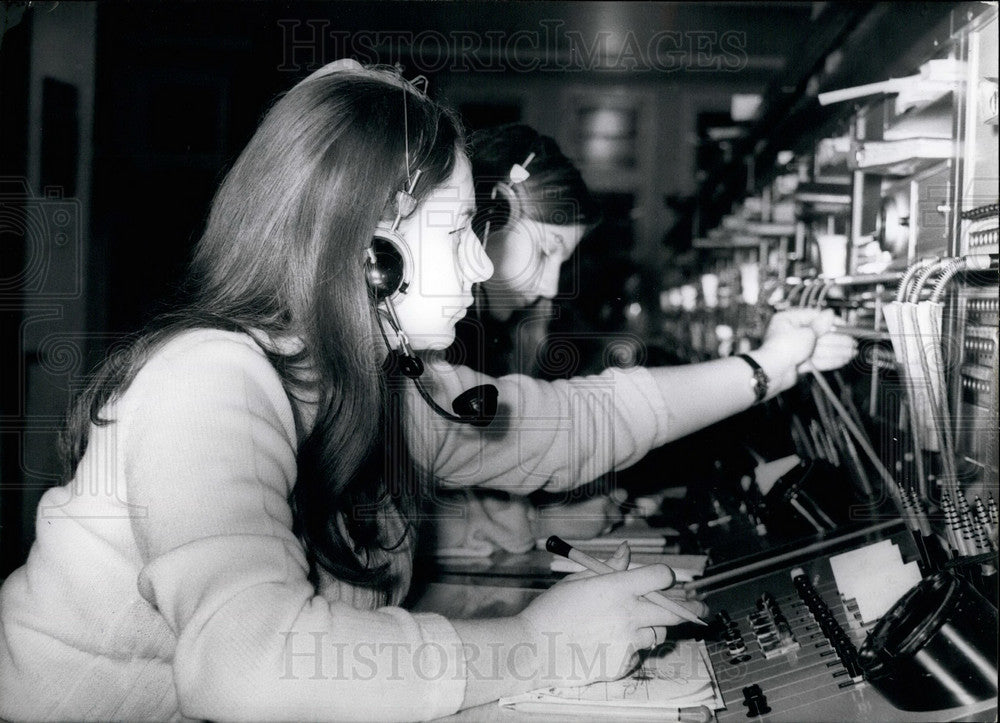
column 283, row 253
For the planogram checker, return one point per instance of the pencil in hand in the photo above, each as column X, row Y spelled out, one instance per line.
column 558, row 546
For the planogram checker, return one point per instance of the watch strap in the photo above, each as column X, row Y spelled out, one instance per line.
column 761, row 382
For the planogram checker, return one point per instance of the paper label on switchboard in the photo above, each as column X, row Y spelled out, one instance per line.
column 875, row 577
column 678, row 674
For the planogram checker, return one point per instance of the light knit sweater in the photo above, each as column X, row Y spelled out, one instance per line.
column 165, row 581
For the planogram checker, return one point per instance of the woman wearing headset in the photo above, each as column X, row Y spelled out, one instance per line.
column 533, row 209
column 237, row 531
column 236, row 535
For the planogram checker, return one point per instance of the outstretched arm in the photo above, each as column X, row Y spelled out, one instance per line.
column 558, row 435
column 702, row 394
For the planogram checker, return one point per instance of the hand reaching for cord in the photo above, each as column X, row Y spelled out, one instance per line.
column 797, row 338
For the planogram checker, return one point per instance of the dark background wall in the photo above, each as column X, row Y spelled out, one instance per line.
column 180, row 89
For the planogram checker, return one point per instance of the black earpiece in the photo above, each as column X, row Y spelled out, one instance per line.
column 386, row 269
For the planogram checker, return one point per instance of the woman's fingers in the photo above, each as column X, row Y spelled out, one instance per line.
column 651, row 614
column 619, row 561
column 657, row 635
column 833, row 351
column 834, row 342
column 605, row 617
column 823, row 322
column 819, row 321
column 621, row 557
column 649, row 578
column 695, row 606
column 640, row 581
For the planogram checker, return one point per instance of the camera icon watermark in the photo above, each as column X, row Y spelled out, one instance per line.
column 42, row 236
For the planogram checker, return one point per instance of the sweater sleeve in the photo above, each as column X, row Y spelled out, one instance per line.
column 546, row 435
column 210, row 460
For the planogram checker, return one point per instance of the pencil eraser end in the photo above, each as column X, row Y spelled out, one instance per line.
column 557, row 546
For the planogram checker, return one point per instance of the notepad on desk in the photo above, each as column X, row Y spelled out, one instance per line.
column 675, row 676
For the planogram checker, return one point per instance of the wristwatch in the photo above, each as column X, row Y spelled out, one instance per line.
column 760, row 378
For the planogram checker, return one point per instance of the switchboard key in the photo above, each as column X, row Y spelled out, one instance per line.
column 755, row 701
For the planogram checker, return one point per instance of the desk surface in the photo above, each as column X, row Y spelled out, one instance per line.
column 463, row 601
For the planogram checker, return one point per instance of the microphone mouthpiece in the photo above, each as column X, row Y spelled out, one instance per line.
column 478, row 405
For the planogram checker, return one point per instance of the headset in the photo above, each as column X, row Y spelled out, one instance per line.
column 388, row 270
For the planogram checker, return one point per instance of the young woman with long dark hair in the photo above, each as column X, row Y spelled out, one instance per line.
column 236, row 533
column 244, row 478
